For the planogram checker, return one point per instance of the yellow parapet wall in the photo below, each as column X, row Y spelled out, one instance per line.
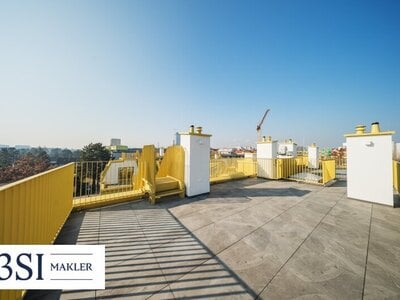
column 223, row 169
column 172, row 167
column 145, row 179
column 33, row 210
column 328, row 170
column 173, row 163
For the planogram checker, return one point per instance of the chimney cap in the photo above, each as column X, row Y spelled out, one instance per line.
column 375, row 130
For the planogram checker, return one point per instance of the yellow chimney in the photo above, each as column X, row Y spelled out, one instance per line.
column 191, row 130
column 375, row 127
column 360, row 129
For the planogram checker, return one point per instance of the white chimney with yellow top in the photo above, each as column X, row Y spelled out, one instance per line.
column 369, row 165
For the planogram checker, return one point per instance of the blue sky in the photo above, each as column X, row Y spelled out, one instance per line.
column 74, row 72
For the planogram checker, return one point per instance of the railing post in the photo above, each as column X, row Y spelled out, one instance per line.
column 33, row 210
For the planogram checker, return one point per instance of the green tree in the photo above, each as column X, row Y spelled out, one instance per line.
column 8, row 156
column 94, row 158
column 76, row 155
column 95, row 152
column 32, row 163
column 55, row 154
column 65, row 157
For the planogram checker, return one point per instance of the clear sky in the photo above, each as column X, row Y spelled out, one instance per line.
column 74, row 72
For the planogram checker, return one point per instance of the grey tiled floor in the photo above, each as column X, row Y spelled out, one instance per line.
column 246, row 239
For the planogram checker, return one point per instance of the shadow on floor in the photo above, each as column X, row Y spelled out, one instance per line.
column 148, row 252
column 235, row 195
column 339, row 183
column 396, row 201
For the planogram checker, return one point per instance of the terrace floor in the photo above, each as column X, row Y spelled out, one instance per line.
column 246, row 239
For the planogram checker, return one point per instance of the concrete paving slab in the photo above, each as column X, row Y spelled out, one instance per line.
column 220, row 235
column 326, row 282
column 77, row 295
column 269, row 247
column 209, row 281
column 164, row 294
column 322, row 267
column 383, row 271
column 140, row 284
column 180, row 258
column 274, row 239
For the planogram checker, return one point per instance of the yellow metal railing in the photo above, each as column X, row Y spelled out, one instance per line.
column 287, row 167
column 33, row 210
column 117, row 175
column 222, row 169
column 102, row 183
column 341, row 162
column 98, row 183
column 298, row 169
column 88, row 177
column 396, row 175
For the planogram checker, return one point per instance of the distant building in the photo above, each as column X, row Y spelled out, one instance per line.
column 115, row 142
column 161, row 151
column 118, row 153
column 287, row 149
column 117, row 149
column 226, row 152
column 22, row 147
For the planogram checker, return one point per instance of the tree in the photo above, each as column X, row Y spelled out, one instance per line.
column 95, row 152
column 94, row 158
column 32, row 163
column 55, row 154
column 8, row 156
column 76, row 155
column 66, row 156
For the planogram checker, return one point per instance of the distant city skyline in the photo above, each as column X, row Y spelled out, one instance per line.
column 75, row 72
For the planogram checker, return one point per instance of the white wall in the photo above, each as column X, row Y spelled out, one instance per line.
column 111, row 177
column 265, row 168
column 197, row 163
column 266, row 152
column 287, row 147
column 313, row 157
column 369, row 168
column 250, row 155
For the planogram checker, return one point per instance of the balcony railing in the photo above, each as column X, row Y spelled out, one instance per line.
column 101, row 181
column 223, row 169
column 298, row 169
column 33, row 210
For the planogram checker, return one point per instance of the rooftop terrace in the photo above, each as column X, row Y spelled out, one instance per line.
column 246, row 239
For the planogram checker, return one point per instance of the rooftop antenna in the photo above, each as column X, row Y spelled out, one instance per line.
column 260, row 125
